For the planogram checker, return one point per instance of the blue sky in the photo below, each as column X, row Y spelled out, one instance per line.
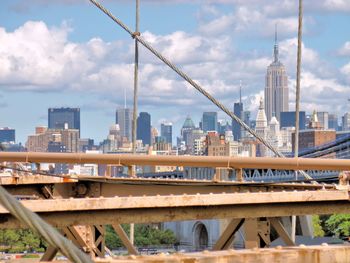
column 68, row 53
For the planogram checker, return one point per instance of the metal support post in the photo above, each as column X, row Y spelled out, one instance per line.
column 251, row 233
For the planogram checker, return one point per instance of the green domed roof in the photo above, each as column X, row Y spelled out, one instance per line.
column 188, row 123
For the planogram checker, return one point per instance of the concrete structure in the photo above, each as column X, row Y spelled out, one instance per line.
column 123, row 117
column 276, row 87
column 64, row 118
column 144, row 128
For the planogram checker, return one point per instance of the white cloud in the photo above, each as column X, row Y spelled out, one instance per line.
column 345, row 49
column 54, row 63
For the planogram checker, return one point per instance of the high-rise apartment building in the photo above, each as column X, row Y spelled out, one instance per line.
column 210, row 121
column 276, row 87
column 123, row 117
column 166, row 131
column 144, row 128
column 64, row 118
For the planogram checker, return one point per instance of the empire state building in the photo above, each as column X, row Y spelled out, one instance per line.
column 276, row 87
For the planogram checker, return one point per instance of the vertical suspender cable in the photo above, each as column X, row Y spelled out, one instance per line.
column 297, row 101
column 192, row 82
column 136, row 69
column 134, row 126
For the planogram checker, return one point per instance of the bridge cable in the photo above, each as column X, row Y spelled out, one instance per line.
column 192, row 82
column 49, row 233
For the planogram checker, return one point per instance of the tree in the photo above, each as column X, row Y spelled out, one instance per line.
column 339, row 225
column 19, row 240
column 316, row 223
column 145, row 235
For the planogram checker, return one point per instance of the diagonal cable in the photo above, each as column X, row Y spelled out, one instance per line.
column 50, row 234
column 190, row 81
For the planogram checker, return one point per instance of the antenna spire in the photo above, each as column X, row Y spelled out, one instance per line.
column 124, row 97
column 275, row 49
column 240, row 91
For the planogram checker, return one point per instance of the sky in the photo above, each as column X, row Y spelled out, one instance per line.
column 67, row 53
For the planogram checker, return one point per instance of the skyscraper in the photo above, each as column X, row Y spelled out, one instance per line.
column 7, row 135
column 144, row 128
column 238, row 111
column 123, row 117
column 210, row 121
column 64, row 118
column 323, row 119
column 166, row 131
column 276, row 87
column 288, row 119
column 333, row 122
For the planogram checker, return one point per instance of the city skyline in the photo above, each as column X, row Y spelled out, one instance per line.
column 74, row 67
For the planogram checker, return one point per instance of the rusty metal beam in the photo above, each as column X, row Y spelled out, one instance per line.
column 251, row 237
column 310, row 254
column 227, row 237
column 49, row 254
column 170, row 201
column 124, row 238
column 146, row 215
column 281, row 231
column 198, row 161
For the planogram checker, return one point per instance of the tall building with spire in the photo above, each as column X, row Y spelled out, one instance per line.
column 276, row 87
column 238, row 111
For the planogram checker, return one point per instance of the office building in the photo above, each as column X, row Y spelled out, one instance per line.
column 346, row 122
column 236, row 128
column 7, row 135
column 323, row 118
column 166, row 131
column 210, row 121
column 64, row 118
column 186, row 129
column 333, row 122
column 39, row 142
column 144, row 128
column 276, row 87
column 58, row 147
column 288, row 119
column 123, row 117
column 311, row 138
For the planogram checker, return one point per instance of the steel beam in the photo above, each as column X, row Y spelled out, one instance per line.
column 309, row 254
column 146, row 215
column 197, row 161
column 281, row 231
column 227, row 237
column 124, row 238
